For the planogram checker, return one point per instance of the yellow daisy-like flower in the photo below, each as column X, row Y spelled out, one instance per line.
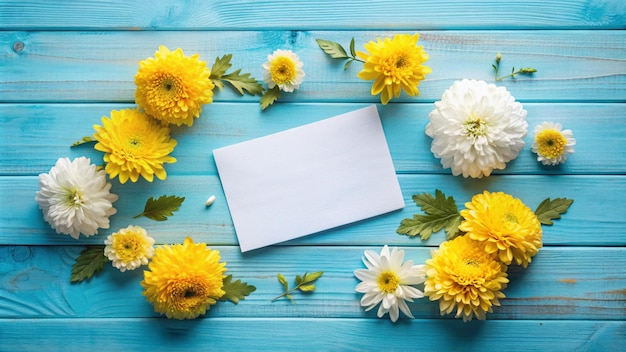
column 172, row 87
column 552, row 144
column 134, row 145
column 462, row 275
column 184, row 279
column 394, row 64
column 129, row 248
column 504, row 225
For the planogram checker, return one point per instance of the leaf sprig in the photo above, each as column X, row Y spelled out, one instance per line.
column 521, row 71
column 269, row 97
column 242, row 82
column 552, row 209
column 336, row 51
column 441, row 212
column 161, row 208
column 235, row 291
column 303, row 283
column 90, row 261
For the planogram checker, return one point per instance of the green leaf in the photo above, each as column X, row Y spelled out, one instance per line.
column 308, row 278
column 291, row 298
column 347, row 64
column 269, row 97
column 86, row 139
column 298, row 279
column 352, row 50
column 441, row 212
column 552, row 209
column 161, row 208
column 221, row 65
column 333, row 49
column 282, row 280
column 307, row 288
column 244, row 83
column 89, row 262
column 235, row 291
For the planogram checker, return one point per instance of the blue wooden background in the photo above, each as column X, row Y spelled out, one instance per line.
column 65, row 64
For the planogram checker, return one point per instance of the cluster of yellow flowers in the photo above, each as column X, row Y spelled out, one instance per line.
column 469, row 272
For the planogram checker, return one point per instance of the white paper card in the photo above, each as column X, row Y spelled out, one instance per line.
column 309, row 179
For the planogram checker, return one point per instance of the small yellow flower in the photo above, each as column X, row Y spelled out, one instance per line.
column 552, row 144
column 134, row 145
column 172, row 87
column 184, row 280
column 394, row 65
column 504, row 225
column 462, row 275
column 129, row 248
column 283, row 69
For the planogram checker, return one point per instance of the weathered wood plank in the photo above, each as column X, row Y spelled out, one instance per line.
column 35, row 135
column 573, row 66
column 595, row 218
column 326, row 14
column 225, row 334
column 560, row 283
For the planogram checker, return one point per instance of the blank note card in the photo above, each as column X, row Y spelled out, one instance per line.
column 308, row 179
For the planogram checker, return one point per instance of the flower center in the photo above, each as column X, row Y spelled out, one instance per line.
column 74, row 198
column 551, row 143
column 401, row 61
column 388, row 281
column 470, row 271
column 188, row 294
column 510, row 217
column 283, row 70
column 475, row 127
column 128, row 246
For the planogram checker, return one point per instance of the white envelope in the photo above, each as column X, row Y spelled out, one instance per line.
column 308, row 179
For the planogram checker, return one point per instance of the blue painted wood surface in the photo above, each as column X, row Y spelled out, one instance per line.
column 65, row 64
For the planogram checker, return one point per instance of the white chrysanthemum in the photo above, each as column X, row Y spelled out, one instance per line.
column 129, row 248
column 552, row 144
column 75, row 197
column 283, row 68
column 476, row 128
column 387, row 281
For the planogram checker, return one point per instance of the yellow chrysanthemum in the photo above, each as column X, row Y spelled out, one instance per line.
column 394, row 64
column 184, row 279
column 462, row 275
column 504, row 225
column 134, row 145
column 129, row 248
column 172, row 87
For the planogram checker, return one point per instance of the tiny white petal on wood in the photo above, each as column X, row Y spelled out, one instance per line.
column 210, row 201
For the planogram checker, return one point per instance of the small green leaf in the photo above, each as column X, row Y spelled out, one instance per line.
column 269, row 97
column 347, row 64
column 552, row 209
column 352, row 50
column 298, row 279
column 307, row 288
column 221, row 65
column 308, row 278
column 441, row 212
column 161, row 208
column 86, row 139
column 291, row 298
column 244, row 83
column 333, row 49
column 89, row 262
column 235, row 291
column 283, row 281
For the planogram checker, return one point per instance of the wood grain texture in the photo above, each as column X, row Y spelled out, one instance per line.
column 595, row 218
column 560, row 283
column 228, row 334
column 573, row 66
column 325, row 14
column 27, row 147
